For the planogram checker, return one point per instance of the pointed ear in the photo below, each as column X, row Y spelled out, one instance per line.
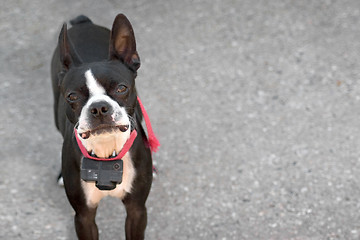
column 68, row 55
column 122, row 43
column 64, row 47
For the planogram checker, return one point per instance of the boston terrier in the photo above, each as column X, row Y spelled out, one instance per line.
column 105, row 150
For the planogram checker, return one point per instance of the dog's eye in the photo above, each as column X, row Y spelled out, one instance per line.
column 72, row 97
column 121, row 89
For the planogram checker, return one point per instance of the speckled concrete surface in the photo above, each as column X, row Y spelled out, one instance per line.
column 256, row 104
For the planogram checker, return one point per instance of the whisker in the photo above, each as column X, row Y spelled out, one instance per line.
column 132, row 120
column 75, row 126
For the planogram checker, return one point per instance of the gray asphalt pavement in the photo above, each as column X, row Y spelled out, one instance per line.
column 256, row 105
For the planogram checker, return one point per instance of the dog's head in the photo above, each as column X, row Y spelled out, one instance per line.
column 101, row 96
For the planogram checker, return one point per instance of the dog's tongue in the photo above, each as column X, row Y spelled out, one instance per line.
column 85, row 135
column 123, row 128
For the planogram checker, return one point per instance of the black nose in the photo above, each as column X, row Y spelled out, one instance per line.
column 99, row 109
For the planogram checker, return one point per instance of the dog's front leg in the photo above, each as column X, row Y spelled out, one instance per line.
column 84, row 219
column 136, row 219
column 85, row 225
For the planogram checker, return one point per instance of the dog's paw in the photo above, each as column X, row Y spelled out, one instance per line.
column 154, row 172
column 60, row 181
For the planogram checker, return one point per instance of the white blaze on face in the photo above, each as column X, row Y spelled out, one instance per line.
column 94, row 87
column 103, row 145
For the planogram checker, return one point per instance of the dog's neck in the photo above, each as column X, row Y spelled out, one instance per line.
column 103, row 145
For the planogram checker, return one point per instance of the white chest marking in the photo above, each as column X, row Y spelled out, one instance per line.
column 93, row 195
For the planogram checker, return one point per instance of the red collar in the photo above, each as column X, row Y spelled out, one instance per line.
column 153, row 142
column 121, row 154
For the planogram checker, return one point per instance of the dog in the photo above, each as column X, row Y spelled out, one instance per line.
column 99, row 115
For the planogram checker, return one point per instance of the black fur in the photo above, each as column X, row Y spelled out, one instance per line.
column 85, row 46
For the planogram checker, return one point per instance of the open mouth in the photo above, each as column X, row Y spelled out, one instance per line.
column 113, row 155
column 103, row 129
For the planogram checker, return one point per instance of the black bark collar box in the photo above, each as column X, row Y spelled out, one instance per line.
column 106, row 174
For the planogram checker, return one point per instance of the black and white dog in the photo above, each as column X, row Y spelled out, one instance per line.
column 96, row 107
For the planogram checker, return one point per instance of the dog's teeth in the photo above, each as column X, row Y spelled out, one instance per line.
column 114, row 154
column 92, row 153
